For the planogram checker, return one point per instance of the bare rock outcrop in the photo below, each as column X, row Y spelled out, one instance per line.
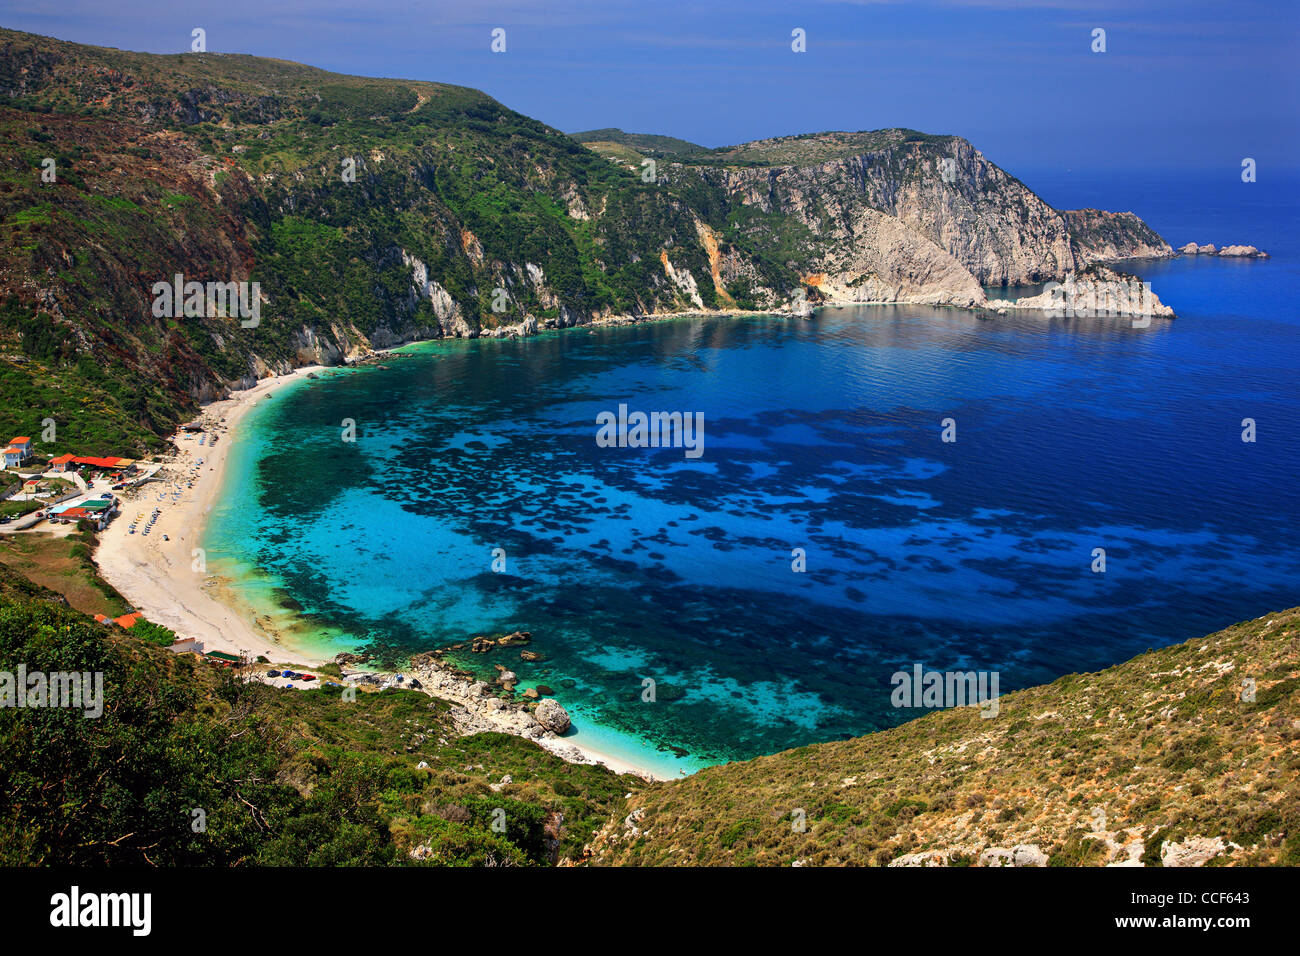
column 1227, row 252
column 552, row 716
column 1096, row 292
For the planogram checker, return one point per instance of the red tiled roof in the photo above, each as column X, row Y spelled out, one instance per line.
column 74, row 513
column 128, row 620
column 63, row 459
column 99, row 462
column 20, row 440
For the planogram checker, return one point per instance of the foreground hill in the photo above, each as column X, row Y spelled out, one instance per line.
column 1157, row 761
column 373, row 212
column 280, row 778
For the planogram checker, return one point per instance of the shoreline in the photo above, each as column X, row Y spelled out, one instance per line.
column 157, row 578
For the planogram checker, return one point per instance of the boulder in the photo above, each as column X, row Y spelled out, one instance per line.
column 1022, row 854
column 552, row 716
column 1194, row 851
column 1242, row 252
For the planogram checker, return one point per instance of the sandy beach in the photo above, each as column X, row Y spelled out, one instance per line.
column 157, row 576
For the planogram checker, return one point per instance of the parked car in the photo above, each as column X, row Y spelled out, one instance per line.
column 272, row 673
column 306, row 677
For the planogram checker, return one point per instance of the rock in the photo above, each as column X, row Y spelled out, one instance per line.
column 531, row 656
column 545, row 690
column 1022, row 854
column 1228, row 252
column 1097, row 291
column 531, row 693
column 928, row 858
column 552, row 716
column 1242, row 252
column 1194, row 851
column 507, row 677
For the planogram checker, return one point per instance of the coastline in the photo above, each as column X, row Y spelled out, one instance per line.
column 157, row 578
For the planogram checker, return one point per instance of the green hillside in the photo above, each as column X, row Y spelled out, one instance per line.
column 648, row 144
column 281, row 778
column 1167, row 750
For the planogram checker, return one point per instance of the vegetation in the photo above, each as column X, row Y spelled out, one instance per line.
column 1090, row 769
column 189, row 764
column 320, row 187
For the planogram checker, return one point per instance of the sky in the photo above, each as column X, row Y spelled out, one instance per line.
column 1180, row 85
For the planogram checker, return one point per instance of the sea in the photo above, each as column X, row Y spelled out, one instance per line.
column 876, row 488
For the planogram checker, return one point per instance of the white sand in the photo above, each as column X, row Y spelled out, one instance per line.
column 157, row 576
column 158, row 579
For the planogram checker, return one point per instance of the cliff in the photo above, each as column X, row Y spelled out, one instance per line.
column 375, row 212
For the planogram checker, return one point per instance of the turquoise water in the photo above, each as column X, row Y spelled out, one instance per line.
column 629, row 564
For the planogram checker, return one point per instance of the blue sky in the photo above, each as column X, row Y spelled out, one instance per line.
column 1190, row 85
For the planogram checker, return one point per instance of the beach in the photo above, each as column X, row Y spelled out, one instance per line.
column 158, row 577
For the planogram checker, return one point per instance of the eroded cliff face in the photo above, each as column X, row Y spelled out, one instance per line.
column 928, row 221
column 1100, row 236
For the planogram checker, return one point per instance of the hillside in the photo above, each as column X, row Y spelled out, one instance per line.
column 282, row 778
column 1155, row 761
column 647, row 144
column 373, row 212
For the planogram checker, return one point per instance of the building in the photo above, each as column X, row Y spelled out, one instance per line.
column 107, row 464
column 98, row 513
column 64, row 463
column 13, row 456
column 23, row 444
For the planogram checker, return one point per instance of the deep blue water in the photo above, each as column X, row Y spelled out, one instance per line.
column 824, row 435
